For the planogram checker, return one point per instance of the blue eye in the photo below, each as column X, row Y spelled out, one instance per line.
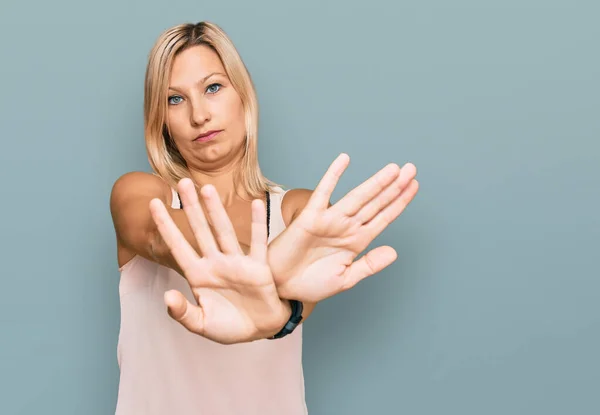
column 213, row 88
column 173, row 98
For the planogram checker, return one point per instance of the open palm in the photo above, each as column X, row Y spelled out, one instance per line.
column 315, row 257
column 237, row 300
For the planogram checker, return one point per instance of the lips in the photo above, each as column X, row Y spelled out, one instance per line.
column 207, row 136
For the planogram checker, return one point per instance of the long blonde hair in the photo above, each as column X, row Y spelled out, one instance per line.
column 164, row 158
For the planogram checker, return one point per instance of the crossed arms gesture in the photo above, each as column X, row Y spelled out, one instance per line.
column 243, row 297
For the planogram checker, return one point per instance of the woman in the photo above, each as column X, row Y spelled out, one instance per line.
column 238, row 261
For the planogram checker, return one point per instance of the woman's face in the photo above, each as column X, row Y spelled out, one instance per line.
column 205, row 113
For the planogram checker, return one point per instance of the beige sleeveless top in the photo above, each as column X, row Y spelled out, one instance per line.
column 166, row 370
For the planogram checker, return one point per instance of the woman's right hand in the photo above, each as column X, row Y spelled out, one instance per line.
column 316, row 256
column 237, row 300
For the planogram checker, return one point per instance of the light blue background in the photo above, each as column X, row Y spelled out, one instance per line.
column 492, row 306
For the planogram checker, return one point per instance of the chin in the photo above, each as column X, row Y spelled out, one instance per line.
column 214, row 153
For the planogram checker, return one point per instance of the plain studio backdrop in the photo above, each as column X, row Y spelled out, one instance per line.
column 492, row 306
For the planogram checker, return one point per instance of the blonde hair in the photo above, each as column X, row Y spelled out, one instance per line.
column 164, row 158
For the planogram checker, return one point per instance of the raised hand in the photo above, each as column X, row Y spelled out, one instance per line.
column 237, row 300
column 315, row 257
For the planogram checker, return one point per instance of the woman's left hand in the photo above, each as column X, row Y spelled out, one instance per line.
column 237, row 300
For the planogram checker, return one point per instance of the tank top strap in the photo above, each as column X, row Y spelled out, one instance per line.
column 176, row 202
column 276, row 221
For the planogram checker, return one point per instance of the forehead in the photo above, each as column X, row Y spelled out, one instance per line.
column 193, row 64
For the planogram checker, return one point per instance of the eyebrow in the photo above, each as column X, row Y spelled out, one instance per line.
column 201, row 81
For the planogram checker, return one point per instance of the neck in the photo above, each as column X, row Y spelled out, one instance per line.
column 223, row 181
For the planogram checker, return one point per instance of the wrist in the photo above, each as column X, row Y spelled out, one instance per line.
column 293, row 318
column 280, row 317
column 286, row 291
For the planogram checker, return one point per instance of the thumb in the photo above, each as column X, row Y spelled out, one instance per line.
column 371, row 263
column 181, row 310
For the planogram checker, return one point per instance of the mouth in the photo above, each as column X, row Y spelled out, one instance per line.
column 207, row 136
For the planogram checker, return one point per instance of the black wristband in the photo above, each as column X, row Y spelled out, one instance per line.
column 294, row 320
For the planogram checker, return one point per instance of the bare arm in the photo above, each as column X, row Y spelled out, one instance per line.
column 137, row 233
column 135, row 229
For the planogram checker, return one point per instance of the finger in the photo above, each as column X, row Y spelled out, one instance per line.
column 322, row 193
column 196, row 218
column 223, row 228
column 258, row 245
column 392, row 211
column 187, row 314
column 391, row 192
column 179, row 247
column 371, row 263
column 350, row 204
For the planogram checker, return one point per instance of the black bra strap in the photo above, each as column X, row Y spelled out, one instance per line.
column 268, row 213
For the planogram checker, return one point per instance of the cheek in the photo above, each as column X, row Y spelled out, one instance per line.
column 235, row 115
column 178, row 123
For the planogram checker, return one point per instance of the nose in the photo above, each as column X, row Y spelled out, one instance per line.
column 200, row 113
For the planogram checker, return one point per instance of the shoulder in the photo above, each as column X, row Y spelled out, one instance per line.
column 293, row 203
column 138, row 183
